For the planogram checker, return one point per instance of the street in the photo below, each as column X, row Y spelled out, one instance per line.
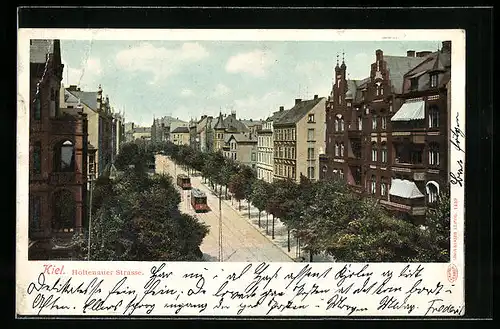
column 241, row 241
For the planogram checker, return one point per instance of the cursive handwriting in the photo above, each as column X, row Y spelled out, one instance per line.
column 457, row 134
column 49, row 302
column 456, row 178
column 436, row 306
column 339, row 301
column 306, row 272
column 392, row 302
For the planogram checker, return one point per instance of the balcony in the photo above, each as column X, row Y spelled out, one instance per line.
column 414, row 210
column 354, row 132
column 61, row 178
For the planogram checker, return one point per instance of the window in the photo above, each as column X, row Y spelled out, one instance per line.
column 414, row 84
column 310, row 134
column 383, row 189
column 310, row 118
column 91, row 164
column 65, row 157
column 434, row 80
column 310, row 172
column 384, row 152
column 341, row 174
column 373, row 185
column 253, row 156
column 293, row 152
column 374, row 152
column 37, row 108
column 432, row 192
column 310, row 153
column 434, row 154
column 360, row 123
column 342, row 124
column 37, row 158
column 416, row 156
column 433, row 117
column 337, row 149
column 381, row 90
column 35, row 212
column 378, row 91
column 293, row 172
column 342, row 149
column 384, row 122
column 374, row 122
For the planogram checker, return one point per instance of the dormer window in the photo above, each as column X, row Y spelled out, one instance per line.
column 414, row 84
column 434, row 80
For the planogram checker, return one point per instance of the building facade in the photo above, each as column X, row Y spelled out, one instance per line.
column 299, row 138
column 381, row 137
column 265, row 147
column 58, row 158
column 241, row 147
column 181, row 136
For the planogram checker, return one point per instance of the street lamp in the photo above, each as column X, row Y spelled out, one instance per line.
column 220, row 228
column 91, row 176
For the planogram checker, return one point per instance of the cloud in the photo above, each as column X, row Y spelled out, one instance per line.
column 310, row 68
column 254, row 63
column 161, row 62
column 221, row 90
column 87, row 76
column 260, row 107
column 187, row 92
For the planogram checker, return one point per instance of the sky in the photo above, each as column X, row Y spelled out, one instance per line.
column 186, row 79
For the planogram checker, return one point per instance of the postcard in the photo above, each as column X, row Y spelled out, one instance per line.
column 240, row 173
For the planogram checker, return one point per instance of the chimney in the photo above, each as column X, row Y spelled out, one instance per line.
column 315, row 96
column 410, row 53
column 282, row 108
column 72, row 88
column 297, row 101
column 424, row 53
column 446, row 47
column 379, row 54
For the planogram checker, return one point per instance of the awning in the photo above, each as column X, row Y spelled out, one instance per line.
column 410, row 111
column 405, row 189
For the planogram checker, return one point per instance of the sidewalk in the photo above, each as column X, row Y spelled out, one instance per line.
column 280, row 230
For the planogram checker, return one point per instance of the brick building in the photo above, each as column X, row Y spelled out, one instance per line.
column 58, row 158
column 387, row 133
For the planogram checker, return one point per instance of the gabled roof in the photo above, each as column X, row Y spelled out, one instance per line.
column 298, row 111
column 39, row 50
column 240, row 138
column 88, row 98
column 398, row 66
column 436, row 62
column 233, row 124
column 181, row 129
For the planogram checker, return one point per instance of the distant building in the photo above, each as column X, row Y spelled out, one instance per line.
column 162, row 127
column 141, row 133
column 58, row 144
column 180, row 135
column 204, row 132
column 299, row 138
column 241, row 147
column 265, row 147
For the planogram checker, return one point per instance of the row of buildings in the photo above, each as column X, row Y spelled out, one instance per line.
column 74, row 136
column 386, row 135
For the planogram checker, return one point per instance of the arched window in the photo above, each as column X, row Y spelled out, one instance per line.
column 383, row 188
column 373, row 188
column 374, row 151
column 432, row 191
column 433, row 117
column 64, row 210
column 342, row 124
column 37, row 108
column 383, row 152
column 434, row 154
column 337, row 149
column 64, row 157
column 342, row 149
column 360, row 123
column 374, row 122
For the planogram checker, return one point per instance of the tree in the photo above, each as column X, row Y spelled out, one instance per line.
column 237, row 186
column 249, row 177
column 434, row 239
column 260, row 195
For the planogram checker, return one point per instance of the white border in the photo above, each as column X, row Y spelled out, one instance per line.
column 25, row 270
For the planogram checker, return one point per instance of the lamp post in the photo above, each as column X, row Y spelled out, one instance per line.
column 220, row 229
column 91, row 176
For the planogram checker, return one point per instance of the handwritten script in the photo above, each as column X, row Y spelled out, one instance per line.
column 271, row 289
column 457, row 140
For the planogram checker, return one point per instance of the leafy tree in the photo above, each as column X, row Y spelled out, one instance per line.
column 237, row 186
column 260, row 195
column 434, row 239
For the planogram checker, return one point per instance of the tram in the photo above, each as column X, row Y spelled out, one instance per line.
column 184, row 182
column 199, row 201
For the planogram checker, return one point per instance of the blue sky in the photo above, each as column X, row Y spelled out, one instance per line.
column 191, row 78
